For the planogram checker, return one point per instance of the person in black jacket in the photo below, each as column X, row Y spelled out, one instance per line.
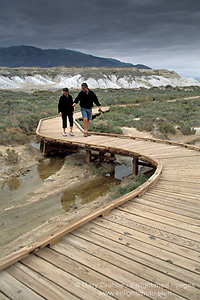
column 66, row 109
column 86, row 98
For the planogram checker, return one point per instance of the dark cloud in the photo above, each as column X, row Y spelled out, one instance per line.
column 127, row 29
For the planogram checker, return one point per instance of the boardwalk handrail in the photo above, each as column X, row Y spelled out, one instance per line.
column 193, row 147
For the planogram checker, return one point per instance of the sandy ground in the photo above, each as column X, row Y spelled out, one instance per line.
column 134, row 132
column 186, row 139
column 74, row 172
column 51, row 225
column 28, row 157
column 177, row 137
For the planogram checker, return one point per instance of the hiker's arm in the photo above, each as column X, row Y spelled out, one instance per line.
column 59, row 108
column 72, row 105
column 96, row 101
column 78, row 98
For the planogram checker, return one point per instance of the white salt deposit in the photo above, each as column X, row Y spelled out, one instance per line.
column 104, row 81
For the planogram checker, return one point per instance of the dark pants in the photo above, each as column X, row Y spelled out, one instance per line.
column 64, row 119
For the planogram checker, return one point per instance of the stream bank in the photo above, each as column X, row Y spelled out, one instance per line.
column 52, row 193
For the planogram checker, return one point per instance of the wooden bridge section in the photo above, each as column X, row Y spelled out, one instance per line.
column 145, row 245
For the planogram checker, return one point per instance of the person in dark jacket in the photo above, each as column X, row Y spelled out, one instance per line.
column 86, row 98
column 66, row 109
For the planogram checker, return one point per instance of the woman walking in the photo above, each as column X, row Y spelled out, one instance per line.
column 66, row 109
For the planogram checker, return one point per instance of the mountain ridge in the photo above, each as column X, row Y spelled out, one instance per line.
column 31, row 56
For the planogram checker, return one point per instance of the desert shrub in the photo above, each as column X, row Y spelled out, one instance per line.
column 105, row 127
column 195, row 141
column 186, row 128
column 160, row 114
column 145, row 126
column 122, row 190
column 12, row 156
column 95, row 169
column 166, row 127
column 13, row 136
column 20, row 111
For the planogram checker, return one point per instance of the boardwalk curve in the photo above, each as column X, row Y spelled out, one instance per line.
column 144, row 245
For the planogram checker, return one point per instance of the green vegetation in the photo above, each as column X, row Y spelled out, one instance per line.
column 130, row 96
column 165, row 127
column 157, row 115
column 105, row 126
column 185, row 127
column 95, row 169
column 12, row 156
column 124, row 189
column 194, row 141
column 20, row 111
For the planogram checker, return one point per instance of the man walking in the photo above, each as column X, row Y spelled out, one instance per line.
column 66, row 109
column 86, row 98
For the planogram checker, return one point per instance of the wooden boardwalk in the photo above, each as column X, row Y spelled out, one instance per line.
column 144, row 248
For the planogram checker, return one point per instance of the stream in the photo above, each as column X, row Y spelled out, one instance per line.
column 16, row 221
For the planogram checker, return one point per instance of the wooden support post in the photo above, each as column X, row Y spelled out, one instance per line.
column 112, row 157
column 44, row 149
column 135, row 166
column 101, row 155
column 41, row 145
column 112, row 174
column 88, row 156
column 55, row 241
column 105, row 213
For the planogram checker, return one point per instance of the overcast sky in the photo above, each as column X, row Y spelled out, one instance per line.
column 158, row 33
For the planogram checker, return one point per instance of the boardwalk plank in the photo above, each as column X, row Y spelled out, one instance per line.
column 158, row 223
column 80, row 252
column 88, row 275
column 120, row 218
column 38, row 283
column 161, row 216
column 63, row 279
column 151, row 203
column 3, row 297
column 176, row 195
column 14, row 289
column 169, row 200
column 139, row 257
column 155, row 246
column 131, row 266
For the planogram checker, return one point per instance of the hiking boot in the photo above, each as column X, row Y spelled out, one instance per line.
column 64, row 134
column 71, row 133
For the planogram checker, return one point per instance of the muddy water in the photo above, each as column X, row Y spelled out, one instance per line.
column 87, row 192
column 123, row 170
column 16, row 189
column 16, row 222
column 50, row 166
column 90, row 190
